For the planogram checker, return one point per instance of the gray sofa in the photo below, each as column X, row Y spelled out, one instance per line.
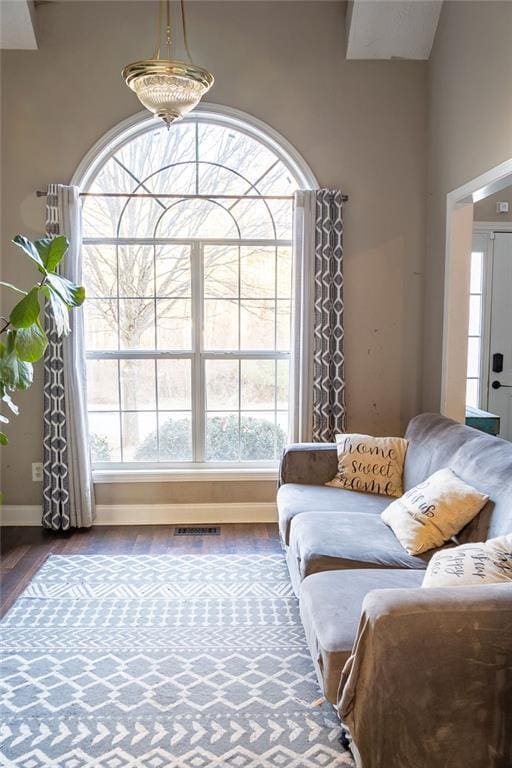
column 420, row 677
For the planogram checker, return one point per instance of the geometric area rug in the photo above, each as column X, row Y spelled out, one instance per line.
column 161, row 661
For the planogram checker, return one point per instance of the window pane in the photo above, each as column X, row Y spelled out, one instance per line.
column 104, row 435
column 136, row 271
column 258, row 384
column 174, row 329
column 138, row 385
column 137, row 323
column 283, row 375
column 254, row 220
column 283, row 325
column 221, row 271
column 214, row 179
column 257, row 436
column 257, row 324
column 100, row 319
column 175, row 436
column 220, row 324
column 197, row 218
column 149, row 152
column 477, row 261
column 173, row 270
column 158, row 147
column 281, row 432
column 227, row 146
column 222, row 437
column 257, row 272
column 100, row 270
column 174, row 386
column 180, row 178
column 473, row 357
column 140, row 216
column 139, row 431
column 221, row 384
column 102, row 385
column 472, row 391
column 475, row 314
column 100, row 215
column 284, row 272
column 282, row 215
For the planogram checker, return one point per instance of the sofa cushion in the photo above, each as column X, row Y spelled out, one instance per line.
column 294, row 498
column 478, row 458
column 330, row 608
column 327, row 541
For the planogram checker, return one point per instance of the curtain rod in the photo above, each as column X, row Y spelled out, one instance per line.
column 41, row 193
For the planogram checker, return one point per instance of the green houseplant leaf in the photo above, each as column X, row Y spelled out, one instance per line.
column 31, row 343
column 26, row 311
column 51, row 250
column 14, row 373
column 59, row 311
column 23, row 338
column 30, row 249
column 72, row 295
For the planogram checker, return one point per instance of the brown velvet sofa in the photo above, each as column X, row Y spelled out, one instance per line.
column 422, row 678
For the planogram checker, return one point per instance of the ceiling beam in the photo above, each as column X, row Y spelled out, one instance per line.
column 391, row 29
column 17, row 25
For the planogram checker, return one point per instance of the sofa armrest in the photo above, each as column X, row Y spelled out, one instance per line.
column 429, row 681
column 308, row 463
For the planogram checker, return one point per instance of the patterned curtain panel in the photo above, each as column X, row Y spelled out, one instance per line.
column 317, row 382
column 328, row 332
column 68, row 496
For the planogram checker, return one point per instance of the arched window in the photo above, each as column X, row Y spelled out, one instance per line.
column 187, row 253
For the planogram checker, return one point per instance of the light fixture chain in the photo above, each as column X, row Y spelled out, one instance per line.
column 168, row 29
column 184, row 24
column 156, row 55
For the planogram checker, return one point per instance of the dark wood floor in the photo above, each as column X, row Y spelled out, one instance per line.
column 24, row 550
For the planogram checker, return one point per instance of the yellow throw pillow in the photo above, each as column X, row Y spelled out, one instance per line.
column 370, row 464
column 488, row 562
column 433, row 511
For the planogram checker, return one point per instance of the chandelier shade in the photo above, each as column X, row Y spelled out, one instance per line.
column 168, row 88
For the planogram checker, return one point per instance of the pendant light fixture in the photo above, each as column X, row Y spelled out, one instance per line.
column 167, row 87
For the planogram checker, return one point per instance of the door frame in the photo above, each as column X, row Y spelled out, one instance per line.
column 459, row 234
column 488, row 229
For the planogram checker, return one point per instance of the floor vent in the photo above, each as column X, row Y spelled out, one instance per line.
column 210, row 530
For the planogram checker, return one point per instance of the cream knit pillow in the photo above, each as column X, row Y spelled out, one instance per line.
column 488, row 562
column 433, row 511
column 370, row 464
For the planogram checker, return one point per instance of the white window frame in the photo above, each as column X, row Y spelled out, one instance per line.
column 107, row 146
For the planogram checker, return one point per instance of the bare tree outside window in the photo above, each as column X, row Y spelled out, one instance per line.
column 188, row 318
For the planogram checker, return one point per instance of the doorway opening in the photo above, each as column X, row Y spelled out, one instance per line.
column 477, row 342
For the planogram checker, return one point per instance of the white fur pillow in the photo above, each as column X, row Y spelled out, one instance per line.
column 488, row 562
column 432, row 512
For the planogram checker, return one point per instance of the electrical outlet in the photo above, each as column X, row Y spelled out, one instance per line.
column 37, row 471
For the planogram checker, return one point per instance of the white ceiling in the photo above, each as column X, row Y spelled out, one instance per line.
column 17, row 29
column 388, row 29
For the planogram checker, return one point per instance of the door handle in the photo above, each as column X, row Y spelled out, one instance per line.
column 498, row 385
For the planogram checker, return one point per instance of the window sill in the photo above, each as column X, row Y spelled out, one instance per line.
column 184, row 475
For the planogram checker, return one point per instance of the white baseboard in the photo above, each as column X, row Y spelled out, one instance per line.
column 155, row 514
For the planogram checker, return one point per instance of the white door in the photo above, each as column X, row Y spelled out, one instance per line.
column 500, row 347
